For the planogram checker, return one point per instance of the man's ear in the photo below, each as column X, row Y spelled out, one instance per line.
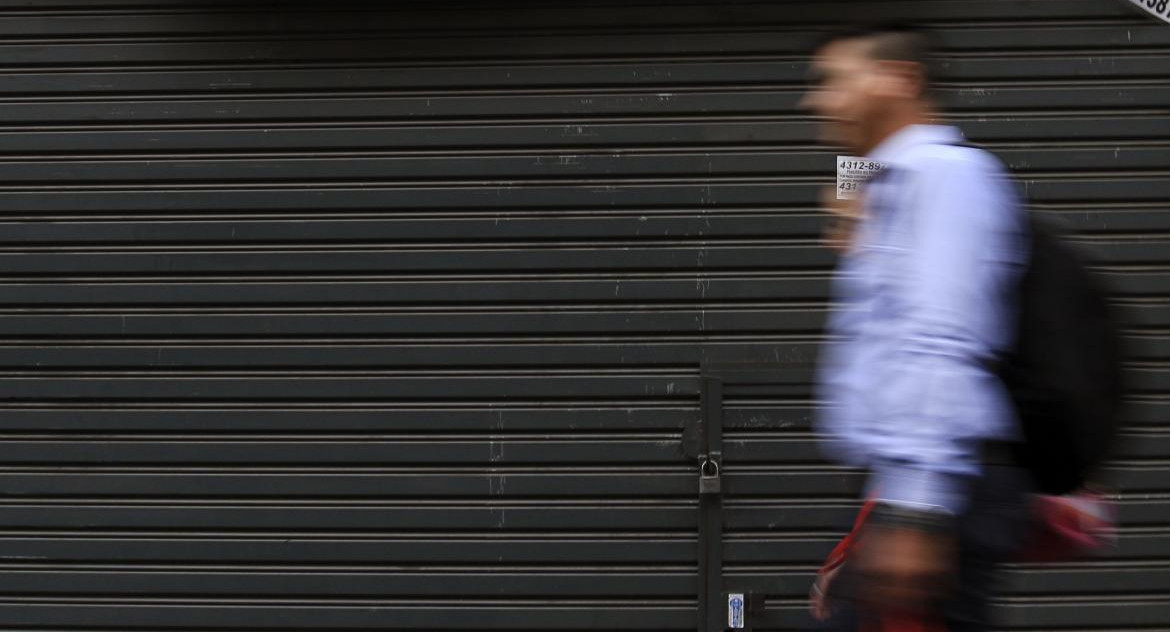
column 900, row 79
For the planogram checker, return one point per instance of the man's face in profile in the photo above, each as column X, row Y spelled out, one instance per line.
column 841, row 92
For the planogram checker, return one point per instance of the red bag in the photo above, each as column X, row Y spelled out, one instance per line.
column 1070, row 527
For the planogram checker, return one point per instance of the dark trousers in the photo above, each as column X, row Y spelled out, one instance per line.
column 990, row 533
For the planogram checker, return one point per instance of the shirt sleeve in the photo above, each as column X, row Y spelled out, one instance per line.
column 837, row 414
column 952, row 290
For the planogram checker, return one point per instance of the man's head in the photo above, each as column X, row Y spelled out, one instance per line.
column 868, row 83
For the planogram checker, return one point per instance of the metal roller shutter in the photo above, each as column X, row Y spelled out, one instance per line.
column 395, row 316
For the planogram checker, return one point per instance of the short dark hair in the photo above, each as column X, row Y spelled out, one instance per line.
column 893, row 41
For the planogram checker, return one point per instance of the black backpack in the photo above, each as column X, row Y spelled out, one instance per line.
column 1064, row 372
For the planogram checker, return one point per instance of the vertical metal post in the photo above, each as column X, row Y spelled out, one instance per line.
column 712, row 609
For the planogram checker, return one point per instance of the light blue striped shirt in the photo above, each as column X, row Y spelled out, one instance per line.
column 923, row 302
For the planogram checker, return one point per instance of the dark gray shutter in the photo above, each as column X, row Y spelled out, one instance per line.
column 394, row 315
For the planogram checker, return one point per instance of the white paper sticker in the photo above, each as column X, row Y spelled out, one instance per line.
column 852, row 172
column 1157, row 8
column 735, row 611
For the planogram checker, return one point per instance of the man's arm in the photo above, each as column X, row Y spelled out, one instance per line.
column 953, row 294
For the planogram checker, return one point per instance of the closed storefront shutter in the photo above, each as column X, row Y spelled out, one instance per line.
column 424, row 315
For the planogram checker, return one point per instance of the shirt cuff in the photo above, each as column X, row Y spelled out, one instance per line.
column 915, row 488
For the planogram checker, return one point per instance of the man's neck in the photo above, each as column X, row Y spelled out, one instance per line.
column 895, row 123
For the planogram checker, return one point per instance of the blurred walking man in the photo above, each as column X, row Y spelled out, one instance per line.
column 929, row 257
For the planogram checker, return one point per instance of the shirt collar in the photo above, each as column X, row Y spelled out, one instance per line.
column 892, row 150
